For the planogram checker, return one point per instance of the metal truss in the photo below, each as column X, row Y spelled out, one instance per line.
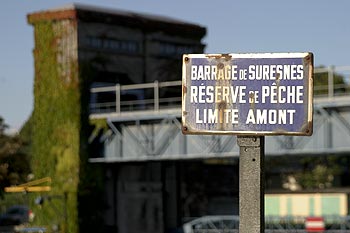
column 161, row 139
column 154, row 132
column 331, row 131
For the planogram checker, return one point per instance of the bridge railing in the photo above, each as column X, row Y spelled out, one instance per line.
column 331, row 88
column 146, row 96
column 286, row 224
column 162, row 95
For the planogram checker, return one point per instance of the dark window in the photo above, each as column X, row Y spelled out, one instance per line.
column 171, row 49
column 114, row 45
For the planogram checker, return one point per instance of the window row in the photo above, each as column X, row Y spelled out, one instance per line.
column 135, row 47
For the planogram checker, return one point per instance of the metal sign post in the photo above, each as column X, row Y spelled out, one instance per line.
column 251, row 184
column 252, row 96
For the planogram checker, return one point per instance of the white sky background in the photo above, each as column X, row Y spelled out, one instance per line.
column 321, row 27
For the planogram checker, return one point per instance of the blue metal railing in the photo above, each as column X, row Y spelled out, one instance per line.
column 273, row 224
column 162, row 95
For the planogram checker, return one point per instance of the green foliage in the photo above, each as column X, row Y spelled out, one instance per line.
column 14, row 164
column 99, row 124
column 305, row 172
column 321, row 83
column 318, row 173
column 3, row 126
column 60, row 129
column 25, row 135
column 56, row 122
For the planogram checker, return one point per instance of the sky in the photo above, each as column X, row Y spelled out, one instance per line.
column 321, row 27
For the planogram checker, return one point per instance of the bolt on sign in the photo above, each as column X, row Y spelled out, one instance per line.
column 247, row 94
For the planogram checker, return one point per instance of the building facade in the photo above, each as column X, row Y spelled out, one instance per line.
column 79, row 47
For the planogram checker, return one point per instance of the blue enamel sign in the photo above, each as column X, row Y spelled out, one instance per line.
column 247, row 94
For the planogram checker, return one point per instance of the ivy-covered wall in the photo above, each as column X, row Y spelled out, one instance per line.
column 56, row 147
column 61, row 128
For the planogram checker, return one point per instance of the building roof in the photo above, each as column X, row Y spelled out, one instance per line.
column 147, row 22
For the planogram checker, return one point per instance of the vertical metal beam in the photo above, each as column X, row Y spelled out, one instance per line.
column 119, row 134
column 329, row 130
column 156, row 95
column 331, row 82
column 117, row 98
column 251, row 184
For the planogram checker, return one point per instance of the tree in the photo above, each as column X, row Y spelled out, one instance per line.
column 14, row 164
column 321, row 83
column 306, row 172
column 318, row 172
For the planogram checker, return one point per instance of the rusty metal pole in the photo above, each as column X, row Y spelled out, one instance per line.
column 251, row 184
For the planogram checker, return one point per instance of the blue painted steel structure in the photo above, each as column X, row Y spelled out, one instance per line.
column 148, row 159
column 153, row 133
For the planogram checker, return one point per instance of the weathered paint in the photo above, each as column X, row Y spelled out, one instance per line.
column 300, row 113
